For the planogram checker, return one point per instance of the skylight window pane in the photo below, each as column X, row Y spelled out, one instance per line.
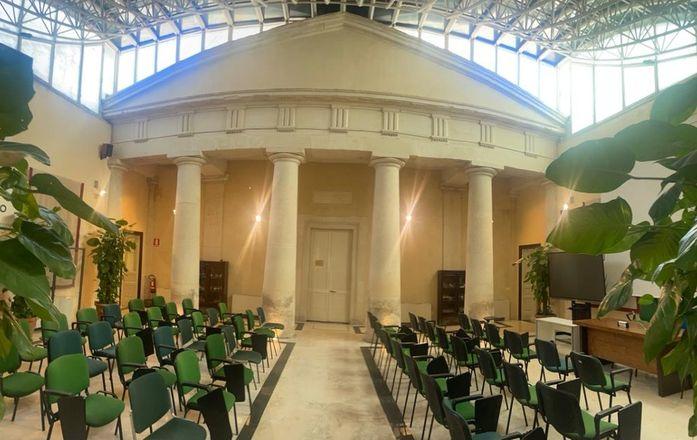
column 146, row 61
column 671, row 72
column 189, row 22
column 529, row 79
column 8, row 39
column 108, row 71
column 548, row 85
column 581, row 96
column 639, row 82
column 608, row 91
column 272, row 25
column 127, row 61
column 459, row 46
column 564, row 84
column 166, row 53
column 66, row 69
column 435, row 38
column 486, row 32
column 485, row 55
column 41, row 53
column 190, row 44
column 507, row 64
column 167, row 28
column 239, row 32
column 216, row 37
column 508, row 40
column 91, row 69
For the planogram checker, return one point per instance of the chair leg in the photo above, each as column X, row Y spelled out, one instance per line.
column 50, row 430
column 30, row 364
column 510, row 411
column 406, row 400
column 41, row 363
column 14, row 413
column 505, row 396
column 41, row 409
column 585, row 397
column 535, row 422
column 174, row 405
column 394, row 376
column 234, row 411
column 430, row 429
column 413, row 408
column 525, row 417
column 249, row 397
column 600, row 402
column 423, row 430
column 399, row 385
column 103, row 381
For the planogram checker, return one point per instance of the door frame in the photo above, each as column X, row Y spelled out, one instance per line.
column 521, row 248
column 139, row 236
column 303, row 293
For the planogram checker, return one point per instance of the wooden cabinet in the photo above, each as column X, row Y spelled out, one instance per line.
column 212, row 284
column 451, row 296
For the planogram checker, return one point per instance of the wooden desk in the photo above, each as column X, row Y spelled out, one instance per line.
column 604, row 339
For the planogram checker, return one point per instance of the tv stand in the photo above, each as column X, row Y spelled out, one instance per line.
column 580, row 310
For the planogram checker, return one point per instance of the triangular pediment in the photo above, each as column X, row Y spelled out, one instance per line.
column 336, row 54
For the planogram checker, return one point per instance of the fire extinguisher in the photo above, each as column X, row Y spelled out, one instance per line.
column 152, row 284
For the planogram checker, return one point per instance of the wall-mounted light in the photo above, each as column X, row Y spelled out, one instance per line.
column 174, row 211
column 565, row 207
column 102, row 193
column 257, row 218
column 408, row 218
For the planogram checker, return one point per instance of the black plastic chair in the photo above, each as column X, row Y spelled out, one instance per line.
column 464, row 322
column 186, row 332
column 590, row 370
column 493, row 337
column 463, row 352
column 215, row 415
column 478, row 330
column 490, row 366
column 549, row 358
column 521, row 391
column 414, row 322
column 518, row 346
column 163, row 340
column 111, row 313
column 434, row 397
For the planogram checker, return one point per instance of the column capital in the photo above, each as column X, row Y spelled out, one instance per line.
column 481, row 171
column 387, row 162
column 115, row 164
column 287, row 157
column 188, row 160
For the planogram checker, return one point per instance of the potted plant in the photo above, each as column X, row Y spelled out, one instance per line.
column 538, row 277
column 21, row 310
column 108, row 250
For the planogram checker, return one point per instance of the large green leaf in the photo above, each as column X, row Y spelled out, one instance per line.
column 617, row 297
column 686, row 167
column 687, row 250
column 663, row 326
column 664, row 205
column 656, row 246
column 12, row 152
column 23, row 274
column 48, row 248
column 654, row 140
column 594, row 166
column 593, row 229
column 17, row 81
column 676, row 103
column 50, row 185
column 57, row 225
column 634, row 233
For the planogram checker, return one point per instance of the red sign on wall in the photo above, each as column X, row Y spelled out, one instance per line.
column 155, row 242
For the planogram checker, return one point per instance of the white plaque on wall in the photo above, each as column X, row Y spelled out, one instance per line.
column 332, row 197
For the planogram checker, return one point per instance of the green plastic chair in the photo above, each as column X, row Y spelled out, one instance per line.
column 132, row 323
column 240, row 331
column 492, row 371
column 266, row 331
column 101, row 340
column 136, row 305
column 111, row 313
column 130, row 356
column 189, row 384
column 225, row 314
column 199, row 324
column 85, row 317
column 69, row 376
column 262, row 320
column 149, row 403
column 18, row 384
column 249, row 356
column 172, row 312
column 163, row 340
column 463, row 353
column 154, row 318
column 521, row 391
column 49, row 328
column 188, row 306
column 186, row 331
column 37, row 352
column 68, row 342
column 158, row 301
column 518, row 346
column 590, row 370
column 216, row 358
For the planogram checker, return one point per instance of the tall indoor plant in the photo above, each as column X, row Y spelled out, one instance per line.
column 663, row 251
column 33, row 238
column 108, row 250
column 538, row 276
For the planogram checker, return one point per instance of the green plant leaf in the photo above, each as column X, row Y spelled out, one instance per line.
column 57, row 225
column 23, row 274
column 17, row 81
column 50, row 185
column 665, row 203
column 12, row 152
column 93, row 242
column 687, row 250
column 634, row 233
column 617, row 297
column 654, row 140
column 48, row 248
column 686, row 166
column 663, row 324
column 655, row 247
column 593, row 229
column 678, row 356
column 593, row 166
column 664, row 272
column 676, row 103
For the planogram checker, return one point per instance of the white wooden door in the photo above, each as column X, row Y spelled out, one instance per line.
column 527, row 299
column 330, row 274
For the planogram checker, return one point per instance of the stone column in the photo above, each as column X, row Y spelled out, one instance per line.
column 115, row 190
column 552, row 206
column 186, row 237
column 278, row 291
column 479, row 281
column 384, row 281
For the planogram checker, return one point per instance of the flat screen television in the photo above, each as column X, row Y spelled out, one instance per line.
column 576, row 276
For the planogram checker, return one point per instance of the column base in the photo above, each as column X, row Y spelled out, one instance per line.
column 480, row 309
column 387, row 311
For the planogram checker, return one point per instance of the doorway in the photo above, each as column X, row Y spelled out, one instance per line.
column 329, row 287
column 130, row 285
column 527, row 306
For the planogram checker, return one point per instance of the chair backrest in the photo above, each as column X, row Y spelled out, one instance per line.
column 547, row 353
column 132, row 323
column 85, row 317
column 431, row 332
column 186, row 367
column 111, row 313
column 588, row 368
column 215, row 349
column 414, row 322
column 250, row 319
column 135, row 305
column 629, row 421
column 442, row 338
column 73, row 420
column 49, row 328
column 492, row 333
column 212, row 316
column 413, row 372
column 487, row 365
column 230, row 338
column 149, row 400
column 100, row 335
column 186, row 330
column 154, row 316
column 561, row 410
column 69, row 374
column 464, row 322
column 198, row 323
column 188, row 306
column 517, row 381
column 222, row 308
column 457, row 425
column 172, row 312
column 261, row 315
column 397, row 353
column 63, row 343
column 486, row 413
column 158, row 301
column 513, row 342
column 238, row 323
column 422, row 324
column 215, row 415
column 162, row 337
column 11, row 362
column 129, row 350
column 459, row 348
column 260, row 344
column 434, row 397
